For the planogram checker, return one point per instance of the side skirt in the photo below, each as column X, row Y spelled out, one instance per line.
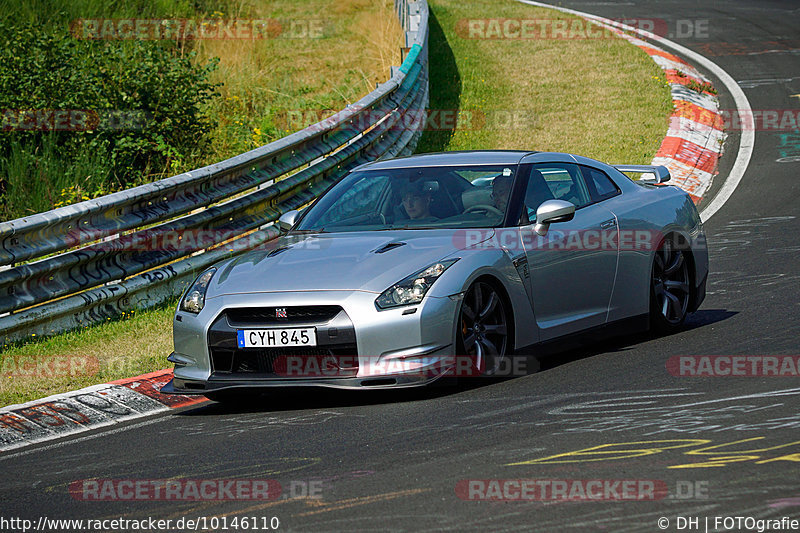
column 625, row 326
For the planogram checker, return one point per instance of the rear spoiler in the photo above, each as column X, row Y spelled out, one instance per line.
column 650, row 173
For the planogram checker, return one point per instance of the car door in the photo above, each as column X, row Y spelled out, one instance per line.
column 573, row 266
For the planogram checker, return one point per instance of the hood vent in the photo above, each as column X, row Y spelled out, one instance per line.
column 275, row 252
column 389, row 246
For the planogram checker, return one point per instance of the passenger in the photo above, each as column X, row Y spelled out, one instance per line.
column 501, row 190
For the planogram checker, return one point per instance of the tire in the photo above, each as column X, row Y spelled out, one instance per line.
column 670, row 287
column 484, row 328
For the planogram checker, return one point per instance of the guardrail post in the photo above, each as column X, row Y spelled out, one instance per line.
column 6, row 267
column 412, row 25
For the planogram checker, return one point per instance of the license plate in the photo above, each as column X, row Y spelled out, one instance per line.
column 271, row 338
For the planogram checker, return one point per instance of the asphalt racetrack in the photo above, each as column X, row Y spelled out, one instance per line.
column 710, row 447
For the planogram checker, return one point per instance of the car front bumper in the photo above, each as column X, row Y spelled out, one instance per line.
column 402, row 347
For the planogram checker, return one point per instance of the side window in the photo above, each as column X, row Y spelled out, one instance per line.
column 601, row 187
column 559, row 181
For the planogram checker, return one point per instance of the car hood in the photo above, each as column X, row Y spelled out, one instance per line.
column 368, row 261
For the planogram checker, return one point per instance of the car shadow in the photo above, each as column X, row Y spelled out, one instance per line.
column 304, row 398
column 444, row 90
column 705, row 317
column 617, row 339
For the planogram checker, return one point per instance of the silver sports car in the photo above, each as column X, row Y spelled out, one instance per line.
column 409, row 269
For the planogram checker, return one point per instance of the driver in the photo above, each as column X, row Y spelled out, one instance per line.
column 416, row 201
column 501, row 190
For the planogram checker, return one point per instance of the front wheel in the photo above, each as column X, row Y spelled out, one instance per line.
column 483, row 328
column 670, row 287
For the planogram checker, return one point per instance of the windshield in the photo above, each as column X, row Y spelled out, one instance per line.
column 414, row 198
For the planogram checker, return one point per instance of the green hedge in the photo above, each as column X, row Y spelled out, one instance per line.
column 136, row 112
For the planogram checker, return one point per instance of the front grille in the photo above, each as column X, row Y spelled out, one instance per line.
column 291, row 362
column 253, row 316
column 335, row 353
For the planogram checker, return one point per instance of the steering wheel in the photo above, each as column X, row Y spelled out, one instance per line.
column 483, row 207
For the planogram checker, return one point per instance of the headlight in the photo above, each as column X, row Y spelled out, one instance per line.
column 412, row 289
column 195, row 298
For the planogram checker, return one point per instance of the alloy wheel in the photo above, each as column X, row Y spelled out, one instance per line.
column 671, row 288
column 483, row 327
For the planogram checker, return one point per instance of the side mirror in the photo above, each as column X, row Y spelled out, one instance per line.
column 288, row 219
column 552, row 211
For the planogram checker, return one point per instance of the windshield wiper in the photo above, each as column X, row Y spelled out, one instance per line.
column 394, row 228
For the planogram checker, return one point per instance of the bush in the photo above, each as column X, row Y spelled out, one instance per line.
column 137, row 109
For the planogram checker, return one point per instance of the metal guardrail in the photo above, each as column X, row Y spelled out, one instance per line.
column 91, row 261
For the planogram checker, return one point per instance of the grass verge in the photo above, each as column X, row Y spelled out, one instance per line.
column 599, row 97
column 329, row 54
column 133, row 344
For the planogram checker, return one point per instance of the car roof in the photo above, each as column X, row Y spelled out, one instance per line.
column 443, row 159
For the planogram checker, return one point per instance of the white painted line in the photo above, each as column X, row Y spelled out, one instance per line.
column 15, row 454
column 669, row 64
column 678, row 123
column 747, row 139
column 73, row 412
column 95, row 406
column 640, row 43
column 696, row 133
column 706, row 101
column 690, row 179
